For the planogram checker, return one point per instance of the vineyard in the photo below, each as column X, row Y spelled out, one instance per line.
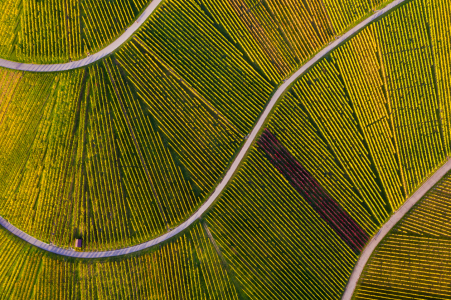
column 119, row 176
column 186, row 268
column 413, row 261
column 266, row 32
column 351, row 140
column 62, row 30
column 126, row 149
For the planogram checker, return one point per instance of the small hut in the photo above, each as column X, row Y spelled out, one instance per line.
column 78, row 243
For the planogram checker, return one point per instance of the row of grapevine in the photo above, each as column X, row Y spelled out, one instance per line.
column 407, row 57
column 344, row 13
column 115, row 17
column 9, row 22
column 186, row 268
column 414, row 260
column 50, row 29
column 62, row 30
column 202, row 137
column 437, row 23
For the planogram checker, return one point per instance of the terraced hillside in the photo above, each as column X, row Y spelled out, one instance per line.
column 413, row 261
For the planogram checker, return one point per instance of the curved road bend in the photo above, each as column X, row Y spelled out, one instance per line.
column 90, row 59
column 394, row 219
column 229, row 173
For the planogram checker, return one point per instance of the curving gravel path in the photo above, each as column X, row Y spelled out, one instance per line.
column 229, row 173
column 90, row 59
column 394, row 219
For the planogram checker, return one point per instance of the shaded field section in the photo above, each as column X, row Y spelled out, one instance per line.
column 328, row 209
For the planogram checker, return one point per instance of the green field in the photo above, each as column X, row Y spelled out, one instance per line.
column 124, row 150
column 121, row 151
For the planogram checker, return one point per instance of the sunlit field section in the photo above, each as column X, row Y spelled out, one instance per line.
column 414, row 259
column 91, row 164
column 186, row 268
column 62, row 30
